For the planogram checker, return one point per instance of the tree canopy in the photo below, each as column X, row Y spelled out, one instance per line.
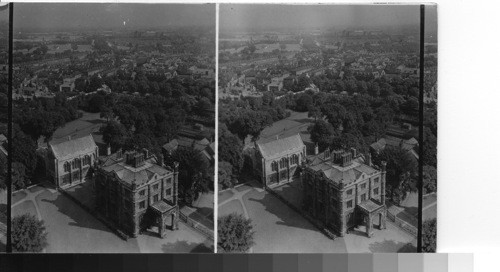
column 28, row 234
column 235, row 233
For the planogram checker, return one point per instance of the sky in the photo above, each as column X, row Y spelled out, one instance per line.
column 245, row 17
column 111, row 15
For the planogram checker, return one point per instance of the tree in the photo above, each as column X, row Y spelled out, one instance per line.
column 429, row 230
column 235, row 233
column 225, row 175
column 114, row 134
column 25, row 151
column 96, row 103
column 19, row 177
column 304, row 102
column 314, row 112
column 401, row 172
column 106, row 113
column 430, row 179
column 322, row 133
column 230, row 149
column 429, row 156
column 28, row 234
column 193, row 173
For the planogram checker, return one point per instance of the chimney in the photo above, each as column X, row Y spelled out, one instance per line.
column 353, row 152
column 368, row 159
column 316, row 149
column 160, row 160
column 119, row 154
column 277, row 137
column 145, row 152
column 176, row 181
column 346, row 159
column 69, row 137
column 382, row 183
column 384, row 165
column 108, row 150
column 327, row 153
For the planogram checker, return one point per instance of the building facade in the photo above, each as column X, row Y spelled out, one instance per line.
column 135, row 191
column 343, row 190
column 277, row 161
column 68, row 163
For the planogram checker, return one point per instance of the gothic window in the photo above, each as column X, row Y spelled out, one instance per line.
column 67, row 167
column 295, row 159
column 142, row 204
column 375, row 191
column 363, row 186
column 155, row 187
column 283, row 162
column 376, row 180
column 349, row 192
column 155, row 198
column 169, row 181
column 86, row 160
column 349, row 204
column 168, row 192
column 142, row 192
column 363, row 197
column 274, row 166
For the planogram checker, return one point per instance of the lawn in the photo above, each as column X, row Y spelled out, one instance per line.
column 230, row 207
column 72, row 229
column 16, row 197
column 223, row 196
column 23, row 208
column 279, row 229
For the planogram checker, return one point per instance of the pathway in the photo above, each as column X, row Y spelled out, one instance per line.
column 237, row 195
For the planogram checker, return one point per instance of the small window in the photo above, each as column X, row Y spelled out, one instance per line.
column 349, row 192
column 363, row 197
column 363, row 186
column 155, row 198
column 168, row 192
column 169, row 181
column 142, row 192
column 155, row 187
column 377, row 180
column 375, row 191
column 142, row 204
column 349, row 204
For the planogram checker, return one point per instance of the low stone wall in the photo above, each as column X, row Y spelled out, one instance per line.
column 197, row 226
column 94, row 213
column 409, row 228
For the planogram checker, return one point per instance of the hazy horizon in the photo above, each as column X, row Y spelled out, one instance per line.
column 75, row 16
column 247, row 17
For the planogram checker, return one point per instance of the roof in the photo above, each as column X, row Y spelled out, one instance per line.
column 72, row 148
column 357, row 170
column 280, row 147
column 369, row 205
column 133, row 175
column 162, row 207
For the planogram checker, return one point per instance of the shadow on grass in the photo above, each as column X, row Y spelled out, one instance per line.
column 389, row 246
column 286, row 215
column 185, row 247
column 79, row 217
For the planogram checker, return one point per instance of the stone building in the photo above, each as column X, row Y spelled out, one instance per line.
column 68, row 162
column 135, row 191
column 278, row 160
column 343, row 190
